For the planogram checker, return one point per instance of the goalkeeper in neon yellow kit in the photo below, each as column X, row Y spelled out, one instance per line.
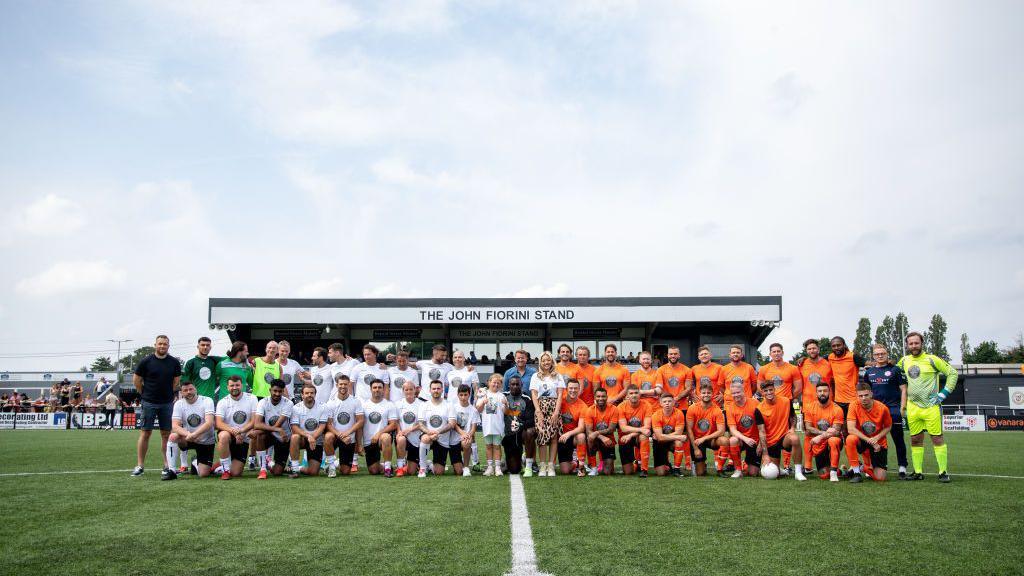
column 924, row 410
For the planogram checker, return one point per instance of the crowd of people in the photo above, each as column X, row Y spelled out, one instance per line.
column 564, row 413
column 66, row 396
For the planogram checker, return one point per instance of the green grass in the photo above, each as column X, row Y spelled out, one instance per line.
column 108, row 523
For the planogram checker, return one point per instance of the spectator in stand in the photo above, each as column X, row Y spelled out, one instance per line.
column 110, row 405
column 65, row 395
column 472, row 358
column 90, row 402
column 631, row 359
column 484, row 359
column 55, row 390
column 39, row 405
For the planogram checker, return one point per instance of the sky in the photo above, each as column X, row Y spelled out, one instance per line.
column 858, row 159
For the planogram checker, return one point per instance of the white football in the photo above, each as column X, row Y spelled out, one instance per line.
column 770, row 471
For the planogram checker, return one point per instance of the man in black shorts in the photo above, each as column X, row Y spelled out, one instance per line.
column 309, row 422
column 235, row 419
column 668, row 424
column 156, row 378
column 272, row 428
column 520, row 427
column 192, row 428
column 602, row 421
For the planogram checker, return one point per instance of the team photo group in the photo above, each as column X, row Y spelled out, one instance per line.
column 561, row 414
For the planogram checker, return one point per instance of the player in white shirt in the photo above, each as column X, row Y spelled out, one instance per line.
column 463, row 434
column 407, row 439
column 399, row 374
column 345, row 418
column 460, row 374
column 321, row 377
column 192, row 428
column 364, row 373
column 272, row 427
column 342, row 364
column 436, row 420
column 434, row 369
column 491, row 405
column 291, row 372
column 309, row 422
column 381, row 422
column 235, row 417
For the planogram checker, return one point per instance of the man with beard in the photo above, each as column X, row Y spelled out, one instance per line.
column 320, row 376
column 398, row 375
column 743, row 434
column 364, row 373
column 235, row 418
column 634, row 432
column 292, row 373
column 381, row 421
column 199, row 370
column 273, row 427
column 612, row 375
column 602, row 420
column 676, row 378
column 309, row 422
column 813, row 369
column 192, row 428
column 345, row 418
column 434, row 369
column 823, row 424
column 235, row 364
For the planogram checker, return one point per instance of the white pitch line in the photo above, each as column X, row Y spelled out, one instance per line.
column 63, row 472
column 524, row 558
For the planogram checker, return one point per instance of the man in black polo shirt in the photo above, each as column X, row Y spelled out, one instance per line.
column 156, row 378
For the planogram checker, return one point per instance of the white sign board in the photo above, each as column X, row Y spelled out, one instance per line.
column 33, row 420
column 963, row 423
column 1016, row 397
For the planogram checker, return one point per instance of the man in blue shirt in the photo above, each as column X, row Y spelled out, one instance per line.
column 521, row 369
column 889, row 387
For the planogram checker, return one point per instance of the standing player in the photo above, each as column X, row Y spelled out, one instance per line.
column 585, row 375
column 309, row 422
column 272, row 428
column 612, row 376
column 520, row 429
column 463, row 433
column 381, row 421
column 492, row 405
column 668, row 424
column 924, row 407
column 776, row 423
column 823, row 425
column 321, row 377
column 199, row 370
column 602, row 420
column 813, row 370
column 345, row 418
column 235, row 417
column 399, row 374
column 889, row 387
column 434, row 369
column 573, row 433
column 646, row 380
column 235, row 364
column 460, row 374
column 868, row 422
column 787, row 380
column 291, row 373
column 845, row 371
column 436, row 419
column 634, row 432
column 364, row 373
column 706, row 372
column 705, row 427
column 744, row 438
column 192, row 428
column 265, row 371
column 407, row 439
column 156, row 379
column 676, row 378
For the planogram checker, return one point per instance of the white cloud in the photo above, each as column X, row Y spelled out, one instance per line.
column 72, row 277
column 325, row 288
column 52, row 215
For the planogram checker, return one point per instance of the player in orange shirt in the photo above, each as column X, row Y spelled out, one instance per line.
column 565, row 366
column 823, row 425
column 736, row 370
column 602, row 420
column 743, row 433
column 775, row 425
column 705, row 426
column 574, row 426
column 786, row 378
column 813, row 369
column 646, row 379
column 868, row 422
column 634, row 432
column 585, row 375
column 612, row 375
column 669, row 427
column 676, row 378
column 706, row 372
column 845, row 372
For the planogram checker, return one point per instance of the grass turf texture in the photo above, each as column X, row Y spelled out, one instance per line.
column 110, row 523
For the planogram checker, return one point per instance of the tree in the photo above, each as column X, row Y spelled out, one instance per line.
column 128, row 363
column 1015, row 354
column 862, row 341
column 902, row 328
column 103, row 364
column 884, row 334
column 935, row 337
column 965, row 347
column 985, row 353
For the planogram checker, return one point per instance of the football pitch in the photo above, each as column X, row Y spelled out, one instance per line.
column 59, row 521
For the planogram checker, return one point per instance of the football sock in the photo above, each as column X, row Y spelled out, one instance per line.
column 172, row 455
column 261, row 459
column 856, row 469
column 734, row 453
column 581, row 454
column 296, row 466
column 225, row 463
column 917, row 455
column 423, row 454
column 941, row 454
column 184, row 458
column 787, row 458
column 529, row 462
column 645, row 454
column 476, row 456
column 401, row 462
column 387, row 465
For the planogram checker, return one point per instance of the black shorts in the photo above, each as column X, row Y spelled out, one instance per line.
column 344, row 453
column 626, row 452
column 879, row 459
column 443, row 453
column 372, row 452
column 412, row 452
column 513, row 444
column 661, row 452
column 239, row 451
column 775, row 450
column 280, row 450
column 607, row 452
column 846, row 408
column 204, row 452
column 153, row 414
column 699, row 454
column 566, row 450
column 823, row 460
column 750, row 456
column 316, row 453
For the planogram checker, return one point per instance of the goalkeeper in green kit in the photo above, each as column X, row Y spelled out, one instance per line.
column 924, row 400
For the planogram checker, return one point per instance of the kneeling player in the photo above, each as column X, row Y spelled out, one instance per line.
column 602, row 420
column 381, row 421
column 407, row 440
column 192, row 428
column 235, row 417
column 705, row 426
column 868, row 422
column 634, row 432
column 743, row 435
column 272, row 428
column 823, row 429
column 520, row 428
column 463, row 433
column 436, row 420
column 669, row 427
column 776, row 425
column 345, row 418
column 574, row 426
column 309, row 421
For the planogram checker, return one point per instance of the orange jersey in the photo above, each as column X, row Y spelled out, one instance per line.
column 572, row 370
column 742, row 418
column 613, row 377
column 823, row 417
column 711, row 374
column 782, row 377
column 668, row 424
column 775, row 418
column 646, row 380
column 585, row 374
column 673, row 380
column 704, row 421
column 812, row 373
column 870, row 422
column 599, row 420
column 572, row 413
column 633, row 415
column 744, row 373
column 845, row 373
